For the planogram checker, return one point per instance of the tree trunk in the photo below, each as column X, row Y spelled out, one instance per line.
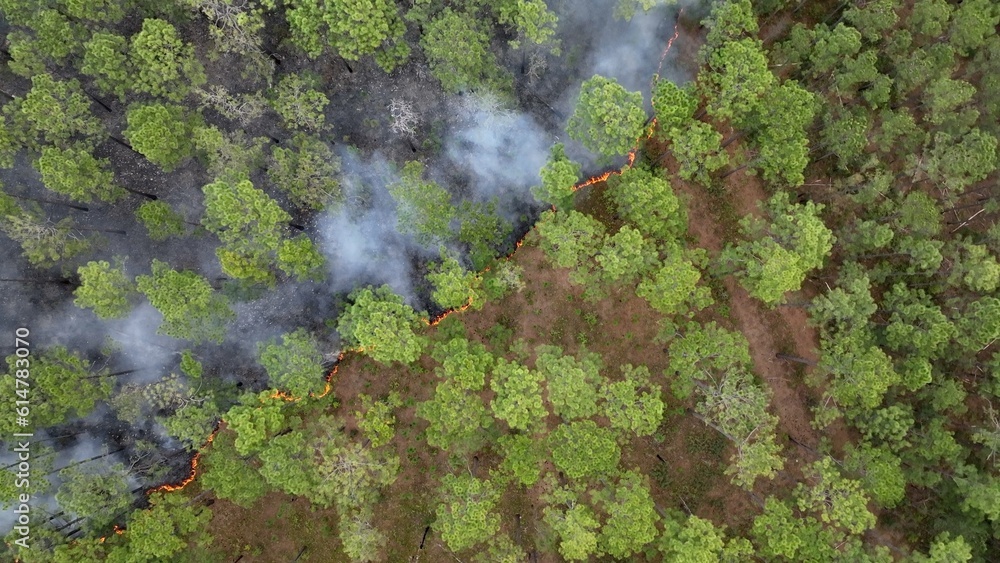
column 60, row 437
column 50, row 202
column 881, row 255
column 125, row 144
column 150, row 197
column 795, row 359
column 735, row 170
column 116, row 374
column 68, row 524
column 82, row 461
column 95, row 229
column 710, row 424
column 37, row 457
column 736, row 136
column 979, row 201
column 36, row 282
column 546, row 104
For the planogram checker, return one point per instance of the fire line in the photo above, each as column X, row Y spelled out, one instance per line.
column 630, row 161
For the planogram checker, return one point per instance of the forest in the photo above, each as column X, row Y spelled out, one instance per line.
column 499, row 282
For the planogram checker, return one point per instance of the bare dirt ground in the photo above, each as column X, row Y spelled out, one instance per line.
column 750, row 317
column 275, row 529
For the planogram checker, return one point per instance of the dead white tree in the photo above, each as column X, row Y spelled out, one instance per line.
column 404, row 118
column 536, row 67
column 242, row 108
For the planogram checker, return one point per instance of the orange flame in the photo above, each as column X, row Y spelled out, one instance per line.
column 630, row 160
column 431, row 322
column 194, row 469
column 283, row 396
column 670, row 42
column 441, row 317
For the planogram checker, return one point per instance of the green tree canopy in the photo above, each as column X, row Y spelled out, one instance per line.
column 532, row 19
column 861, row 373
column 105, row 289
column 378, row 420
column 165, row 529
column 559, row 175
column 249, row 224
column 625, row 256
column 464, row 362
column 971, row 23
column 698, row 150
column 424, row 208
column 837, row 500
column 299, row 258
column 633, row 404
column 307, row 171
column 518, row 395
column 522, row 458
column 457, row 418
column 295, row 364
column 646, row 200
column 583, row 449
column 781, row 253
column 255, row 420
column 54, row 112
column 351, row 475
column 705, row 351
column 44, row 242
column 483, row 230
column 574, row 523
column 735, row 79
column 164, row 65
column 571, row 383
column 690, row 538
column 105, row 60
column 674, row 106
column 466, row 514
column 227, row 475
column 960, row 161
column 62, row 387
column 96, row 493
column 673, row 287
column 632, row 517
column 378, row 322
column 160, row 220
column 607, row 119
column 162, row 133
column 75, row 173
column 570, row 239
column 454, row 286
column 191, row 309
column 299, row 103
column 458, row 52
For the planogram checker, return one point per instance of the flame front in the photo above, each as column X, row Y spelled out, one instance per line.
column 630, row 161
column 194, row 470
